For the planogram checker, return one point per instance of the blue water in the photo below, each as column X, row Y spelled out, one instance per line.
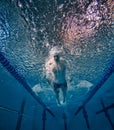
column 85, row 32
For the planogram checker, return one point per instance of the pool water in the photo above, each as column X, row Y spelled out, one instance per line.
column 84, row 31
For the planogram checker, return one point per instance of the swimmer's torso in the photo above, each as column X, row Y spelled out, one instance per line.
column 56, row 71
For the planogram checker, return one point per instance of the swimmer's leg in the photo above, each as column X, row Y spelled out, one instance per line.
column 57, row 96
column 64, row 90
column 56, row 90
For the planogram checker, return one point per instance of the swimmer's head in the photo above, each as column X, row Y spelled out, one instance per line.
column 55, row 52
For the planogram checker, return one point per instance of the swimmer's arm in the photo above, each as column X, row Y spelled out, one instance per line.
column 45, row 77
column 46, row 68
column 44, row 72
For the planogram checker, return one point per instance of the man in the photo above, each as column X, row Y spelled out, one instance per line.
column 55, row 68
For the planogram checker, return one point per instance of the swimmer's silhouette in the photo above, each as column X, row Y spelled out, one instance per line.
column 55, row 70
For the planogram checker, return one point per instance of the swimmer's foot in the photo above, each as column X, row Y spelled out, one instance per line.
column 58, row 103
column 64, row 100
column 63, row 103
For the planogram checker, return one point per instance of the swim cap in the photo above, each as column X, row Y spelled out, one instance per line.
column 55, row 51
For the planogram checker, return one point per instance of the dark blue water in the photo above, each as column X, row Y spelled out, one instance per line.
column 85, row 32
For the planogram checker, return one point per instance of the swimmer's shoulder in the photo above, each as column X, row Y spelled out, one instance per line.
column 49, row 62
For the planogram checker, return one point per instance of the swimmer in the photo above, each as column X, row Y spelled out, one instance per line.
column 55, row 68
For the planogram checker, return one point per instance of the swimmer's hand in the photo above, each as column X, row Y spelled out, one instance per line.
column 46, row 79
column 70, row 79
column 49, row 82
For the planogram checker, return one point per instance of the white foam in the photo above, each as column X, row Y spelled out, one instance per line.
column 84, row 84
column 37, row 89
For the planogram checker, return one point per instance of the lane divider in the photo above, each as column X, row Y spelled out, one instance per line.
column 6, row 64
